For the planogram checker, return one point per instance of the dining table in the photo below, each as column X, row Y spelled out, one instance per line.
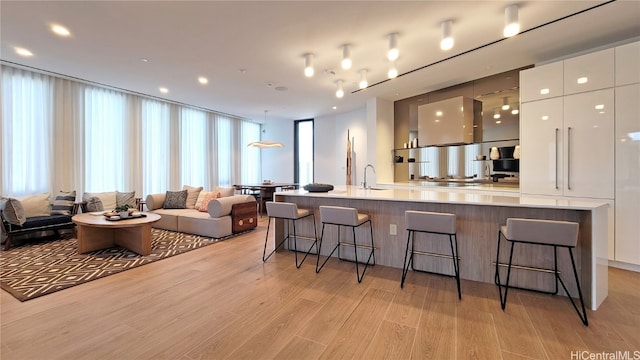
column 264, row 191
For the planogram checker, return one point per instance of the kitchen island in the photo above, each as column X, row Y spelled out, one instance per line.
column 479, row 216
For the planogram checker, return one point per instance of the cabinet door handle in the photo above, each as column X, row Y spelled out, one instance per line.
column 556, row 156
column 569, row 158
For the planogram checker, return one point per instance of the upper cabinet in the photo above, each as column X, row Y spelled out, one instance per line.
column 628, row 64
column 541, row 82
column 588, row 72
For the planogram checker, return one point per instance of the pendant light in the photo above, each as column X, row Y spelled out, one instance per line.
column 363, row 79
column 339, row 89
column 346, row 57
column 446, row 42
column 308, row 65
column 511, row 24
column 265, row 144
column 393, row 52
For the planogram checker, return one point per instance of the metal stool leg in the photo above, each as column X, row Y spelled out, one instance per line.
column 405, row 264
column 319, row 267
column 454, row 256
column 266, row 239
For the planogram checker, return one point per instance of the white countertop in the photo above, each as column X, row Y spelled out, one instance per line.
column 462, row 195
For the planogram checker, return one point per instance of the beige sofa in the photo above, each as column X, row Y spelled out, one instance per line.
column 224, row 216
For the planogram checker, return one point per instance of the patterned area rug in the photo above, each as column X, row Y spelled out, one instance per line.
column 41, row 268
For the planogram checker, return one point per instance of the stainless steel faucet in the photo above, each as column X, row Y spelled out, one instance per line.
column 364, row 184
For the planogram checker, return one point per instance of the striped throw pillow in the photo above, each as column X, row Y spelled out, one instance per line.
column 63, row 204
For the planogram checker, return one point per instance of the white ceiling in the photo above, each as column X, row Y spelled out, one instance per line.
column 186, row 39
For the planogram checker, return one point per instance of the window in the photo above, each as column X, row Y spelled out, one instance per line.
column 303, row 153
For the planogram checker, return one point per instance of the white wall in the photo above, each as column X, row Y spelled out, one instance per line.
column 277, row 163
column 371, row 134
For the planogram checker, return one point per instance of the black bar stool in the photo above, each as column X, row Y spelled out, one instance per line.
column 546, row 233
column 349, row 217
column 290, row 213
column 432, row 223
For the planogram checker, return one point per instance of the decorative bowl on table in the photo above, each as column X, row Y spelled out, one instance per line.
column 267, row 182
column 318, row 187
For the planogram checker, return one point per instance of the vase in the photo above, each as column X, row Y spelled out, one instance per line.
column 516, row 152
column 494, row 154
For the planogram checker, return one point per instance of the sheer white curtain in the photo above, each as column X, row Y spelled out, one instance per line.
column 60, row 134
column 193, row 145
column 107, row 143
column 26, row 132
column 250, row 156
column 156, row 146
column 223, row 151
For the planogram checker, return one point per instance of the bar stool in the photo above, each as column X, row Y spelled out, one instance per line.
column 349, row 217
column 432, row 223
column 290, row 213
column 546, row 233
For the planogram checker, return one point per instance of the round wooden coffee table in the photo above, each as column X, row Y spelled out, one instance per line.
column 95, row 232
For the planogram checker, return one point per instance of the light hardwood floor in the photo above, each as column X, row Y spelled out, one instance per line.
column 223, row 302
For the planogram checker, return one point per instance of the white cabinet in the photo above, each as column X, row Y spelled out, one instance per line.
column 627, row 218
column 541, row 82
column 589, row 145
column 628, row 64
column 567, row 146
column 589, row 72
column 541, row 129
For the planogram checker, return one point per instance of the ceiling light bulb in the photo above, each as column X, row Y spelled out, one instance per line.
column 496, row 114
column 583, row 80
column 60, row 30
column 447, row 38
column 363, row 79
column 505, row 104
column 544, row 91
column 163, row 90
column 511, row 24
column 203, row 80
column 346, row 57
column 499, row 122
column 339, row 90
column 393, row 52
column 308, row 65
column 23, row 52
column 393, row 72
column 515, row 112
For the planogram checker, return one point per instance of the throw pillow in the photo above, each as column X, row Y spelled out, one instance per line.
column 175, row 200
column 192, row 195
column 201, row 197
column 126, row 198
column 36, row 205
column 94, row 204
column 63, row 204
column 205, row 203
column 108, row 199
column 224, row 192
column 12, row 212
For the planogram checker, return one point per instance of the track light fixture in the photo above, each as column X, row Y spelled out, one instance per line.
column 339, row 90
column 393, row 52
column 308, row 65
column 505, row 103
column 346, row 57
column 511, row 24
column 446, row 42
column 363, row 79
column 393, row 71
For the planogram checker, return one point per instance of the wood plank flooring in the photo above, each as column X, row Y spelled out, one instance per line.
column 223, row 302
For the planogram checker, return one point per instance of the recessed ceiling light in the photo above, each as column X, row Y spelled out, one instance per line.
column 281, row 88
column 163, row 90
column 203, row 80
column 23, row 52
column 242, row 71
column 144, row 60
column 60, row 30
column 335, row 107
